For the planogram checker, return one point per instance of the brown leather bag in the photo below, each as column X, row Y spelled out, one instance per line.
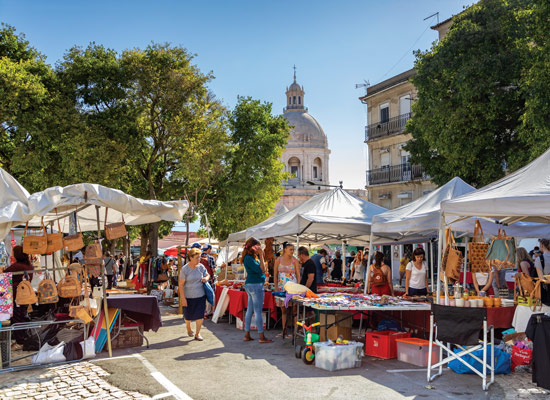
column 47, row 291
column 94, row 254
column 477, row 249
column 115, row 230
column 73, row 242
column 25, row 293
column 452, row 258
column 55, row 240
column 35, row 244
column 69, row 287
column 378, row 277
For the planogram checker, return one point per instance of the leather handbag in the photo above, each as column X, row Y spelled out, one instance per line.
column 25, row 293
column 477, row 249
column 35, row 244
column 452, row 258
column 73, row 242
column 115, row 230
column 69, row 287
column 502, row 251
column 55, row 240
column 528, row 289
column 93, row 254
column 162, row 277
column 47, row 291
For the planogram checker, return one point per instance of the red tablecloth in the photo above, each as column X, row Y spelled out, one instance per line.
column 238, row 301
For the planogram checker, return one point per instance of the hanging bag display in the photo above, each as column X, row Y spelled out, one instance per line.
column 35, row 244
column 477, row 250
column 73, row 242
column 69, row 287
column 55, row 240
column 25, row 293
column 527, row 291
column 452, row 258
column 93, row 253
column 47, row 291
column 502, row 251
column 115, row 230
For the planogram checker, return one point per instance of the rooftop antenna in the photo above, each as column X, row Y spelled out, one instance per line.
column 365, row 85
column 433, row 15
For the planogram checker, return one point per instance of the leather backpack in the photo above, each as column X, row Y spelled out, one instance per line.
column 47, row 291
column 25, row 293
column 69, row 287
column 378, row 276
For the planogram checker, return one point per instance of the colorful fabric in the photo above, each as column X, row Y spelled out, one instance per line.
column 6, row 296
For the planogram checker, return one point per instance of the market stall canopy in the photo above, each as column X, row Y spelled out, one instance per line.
column 59, row 202
column 240, row 237
column 13, row 202
column 419, row 220
column 521, row 196
column 329, row 217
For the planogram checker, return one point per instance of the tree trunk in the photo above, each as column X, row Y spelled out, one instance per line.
column 144, row 241
column 154, row 238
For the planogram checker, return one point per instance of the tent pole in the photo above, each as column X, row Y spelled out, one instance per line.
column 297, row 241
column 465, row 263
column 104, row 291
column 440, row 247
column 368, row 261
column 227, row 260
column 431, row 244
column 180, row 299
column 344, row 257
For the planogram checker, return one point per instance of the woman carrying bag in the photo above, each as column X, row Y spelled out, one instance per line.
column 192, row 277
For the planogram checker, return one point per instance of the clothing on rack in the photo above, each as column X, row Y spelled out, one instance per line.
column 538, row 330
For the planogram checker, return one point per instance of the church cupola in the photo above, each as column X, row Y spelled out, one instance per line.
column 295, row 97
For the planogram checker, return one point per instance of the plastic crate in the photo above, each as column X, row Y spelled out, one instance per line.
column 415, row 351
column 382, row 344
column 332, row 357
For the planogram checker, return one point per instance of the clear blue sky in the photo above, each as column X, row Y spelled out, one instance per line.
column 251, row 46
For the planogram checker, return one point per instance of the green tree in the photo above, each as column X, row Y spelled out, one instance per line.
column 250, row 185
column 534, row 134
column 470, row 105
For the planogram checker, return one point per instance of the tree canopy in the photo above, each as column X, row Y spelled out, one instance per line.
column 470, row 99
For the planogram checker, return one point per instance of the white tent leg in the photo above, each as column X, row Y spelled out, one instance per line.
column 465, row 266
column 441, row 247
column 431, row 244
column 368, row 261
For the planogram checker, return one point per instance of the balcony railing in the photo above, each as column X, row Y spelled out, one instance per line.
column 392, row 126
column 395, row 173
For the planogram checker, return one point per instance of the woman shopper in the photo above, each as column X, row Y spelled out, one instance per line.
column 192, row 277
column 525, row 262
column 403, row 267
column 357, row 268
column 287, row 269
column 336, row 267
column 253, row 261
column 380, row 276
column 416, row 274
column 483, row 282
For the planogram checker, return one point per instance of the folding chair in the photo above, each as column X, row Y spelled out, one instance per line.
column 461, row 327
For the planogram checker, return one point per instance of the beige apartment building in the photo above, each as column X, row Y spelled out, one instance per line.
column 392, row 180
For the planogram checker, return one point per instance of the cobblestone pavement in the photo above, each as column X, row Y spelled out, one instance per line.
column 73, row 381
column 519, row 386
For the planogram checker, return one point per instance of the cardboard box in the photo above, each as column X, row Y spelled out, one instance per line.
column 341, row 324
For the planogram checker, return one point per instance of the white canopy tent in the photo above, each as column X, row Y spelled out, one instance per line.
column 515, row 200
column 59, row 202
column 329, row 217
column 521, row 196
column 13, row 203
column 240, row 237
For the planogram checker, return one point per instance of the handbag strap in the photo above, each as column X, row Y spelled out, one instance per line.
column 105, row 222
column 478, row 232
column 450, row 238
column 58, row 226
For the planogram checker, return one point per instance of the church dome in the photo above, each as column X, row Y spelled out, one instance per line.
column 306, row 131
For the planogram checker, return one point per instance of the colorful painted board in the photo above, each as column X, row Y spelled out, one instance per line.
column 6, row 296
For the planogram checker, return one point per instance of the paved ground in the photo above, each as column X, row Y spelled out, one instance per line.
column 224, row 367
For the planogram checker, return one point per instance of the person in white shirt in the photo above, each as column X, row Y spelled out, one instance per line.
column 357, row 267
column 416, row 275
column 483, row 280
column 542, row 263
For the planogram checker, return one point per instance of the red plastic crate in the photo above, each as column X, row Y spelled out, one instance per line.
column 382, row 344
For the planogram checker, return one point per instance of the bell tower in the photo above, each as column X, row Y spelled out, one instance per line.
column 295, row 97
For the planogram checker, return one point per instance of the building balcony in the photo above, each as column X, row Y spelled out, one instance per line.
column 392, row 126
column 395, row 173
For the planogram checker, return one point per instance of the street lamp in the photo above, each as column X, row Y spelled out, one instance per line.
column 341, row 184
